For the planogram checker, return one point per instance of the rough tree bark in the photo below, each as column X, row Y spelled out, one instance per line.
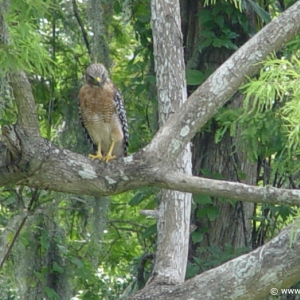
column 173, row 221
column 229, row 157
column 272, row 266
column 38, row 163
column 63, row 170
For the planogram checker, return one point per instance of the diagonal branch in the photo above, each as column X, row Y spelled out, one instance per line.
column 80, row 23
column 171, row 139
column 251, row 276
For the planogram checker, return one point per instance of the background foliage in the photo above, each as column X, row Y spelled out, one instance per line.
column 80, row 247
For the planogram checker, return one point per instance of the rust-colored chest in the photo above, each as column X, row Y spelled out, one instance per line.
column 97, row 102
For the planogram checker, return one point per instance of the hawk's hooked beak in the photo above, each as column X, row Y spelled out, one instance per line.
column 98, row 80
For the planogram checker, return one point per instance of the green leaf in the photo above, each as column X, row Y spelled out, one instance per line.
column 117, row 7
column 212, row 213
column 194, row 77
column 192, row 270
column 204, row 16
column 205, row 172
column 140, row 197
column 217, row 42
column 145, row 18
column 202, row 212
column 57, row 268
column 219, row 20
column 202, row 199
column 197, row 237
column 40, row 276
column 206, row 43
column 10, row 200
column 77, row 262
column 198, row 260
column 217, row 176
column 136, row 199
column 260, row 11
column 51, row 293
column 151, row 230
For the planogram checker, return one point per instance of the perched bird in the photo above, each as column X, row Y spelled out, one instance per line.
column 103, row 114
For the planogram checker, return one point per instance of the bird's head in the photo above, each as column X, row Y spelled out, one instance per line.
column 96, row 74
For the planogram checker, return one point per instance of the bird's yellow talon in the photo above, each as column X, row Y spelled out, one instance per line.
column 107, row 158
column 97, row 156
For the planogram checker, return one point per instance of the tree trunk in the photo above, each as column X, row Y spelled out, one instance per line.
column 174, row 208
column 227, row 158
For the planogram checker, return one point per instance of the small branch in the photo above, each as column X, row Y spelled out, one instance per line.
column 126, row 222
column 141, row 268
column 23, row 216
column 80, row 23
column 230, row 190
column 149, row 213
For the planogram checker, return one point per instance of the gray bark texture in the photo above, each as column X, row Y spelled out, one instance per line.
column 229, row 157
column 251, row 276
column 28, row 159
column 174, row 210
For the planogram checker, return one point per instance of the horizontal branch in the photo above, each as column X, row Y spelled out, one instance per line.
column 65, row 171
column 229, row 190
column 179, row 129
column 42, row 165
column 49, row 167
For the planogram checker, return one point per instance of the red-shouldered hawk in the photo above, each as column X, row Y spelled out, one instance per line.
column 103, row 114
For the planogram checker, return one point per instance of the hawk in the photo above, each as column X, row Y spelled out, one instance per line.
column 103, row 114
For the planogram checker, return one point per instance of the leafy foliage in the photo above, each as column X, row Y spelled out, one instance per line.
column 24, row 51
column 92, row 248
column 220, row 28
column 82, row 247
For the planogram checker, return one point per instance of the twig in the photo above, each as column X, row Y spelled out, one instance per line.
column 28, row 211
column 79, row 21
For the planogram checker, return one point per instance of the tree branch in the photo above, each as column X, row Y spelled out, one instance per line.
column 171, row 139
column 27, row 114
column 83, row 31
column 45, row 166
column 229, row 190
column 250, row 276
column 64, row 171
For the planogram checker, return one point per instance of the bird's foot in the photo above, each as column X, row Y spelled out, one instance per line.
column 108, row 157
column 97, row 156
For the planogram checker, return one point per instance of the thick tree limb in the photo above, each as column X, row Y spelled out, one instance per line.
column 69, row 172
column 274, row 265
column 42, row 165
column 222, row 84
column 27, row 115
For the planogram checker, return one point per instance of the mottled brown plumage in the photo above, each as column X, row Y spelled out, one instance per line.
column 103, row 114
